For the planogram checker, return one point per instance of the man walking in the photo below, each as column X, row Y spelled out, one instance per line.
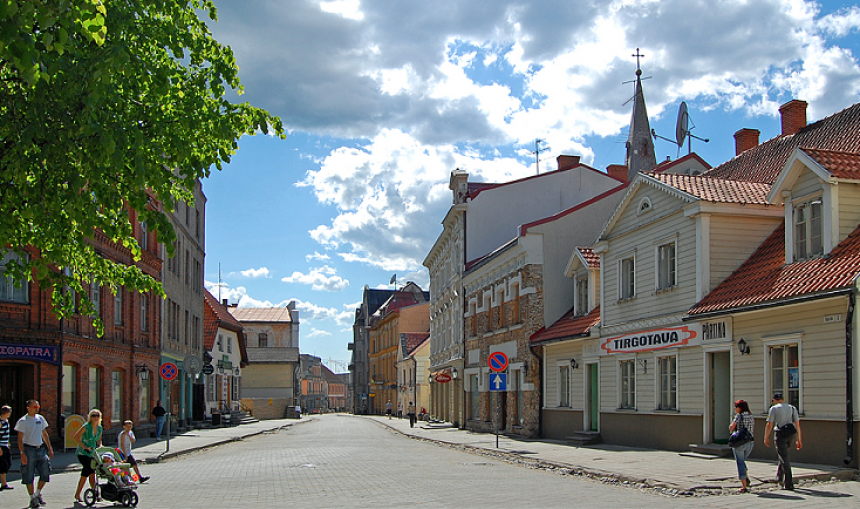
column 786, row 420
column 158, row 412
column 410, row 411
column 33, row 440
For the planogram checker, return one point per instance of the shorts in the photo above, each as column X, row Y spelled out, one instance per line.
column 130, row 460
column 5, row 460
column 87, row 464
column 388, row 411
column 37, row 463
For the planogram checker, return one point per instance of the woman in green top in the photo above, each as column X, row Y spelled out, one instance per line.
column 88, row 437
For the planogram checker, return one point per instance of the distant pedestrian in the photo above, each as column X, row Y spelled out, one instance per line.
column 158, row 412
column 388, row 409
column 743, row 420
column 88, row 437
column 5, row 454
column 33, row 441
column 410, row 411
column 400, row 410
column 785, row 419
column 126, row 439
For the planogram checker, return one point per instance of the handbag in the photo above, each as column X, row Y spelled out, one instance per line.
column 786, row 431
column 741, row 436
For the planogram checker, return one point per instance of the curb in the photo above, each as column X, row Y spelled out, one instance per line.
column 841, row 475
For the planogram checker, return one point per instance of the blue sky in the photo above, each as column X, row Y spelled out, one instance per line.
column 384, row 98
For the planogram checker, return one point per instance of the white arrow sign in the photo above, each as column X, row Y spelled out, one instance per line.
column 499, row 382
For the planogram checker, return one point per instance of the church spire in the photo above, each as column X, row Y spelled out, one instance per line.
column 640, row 145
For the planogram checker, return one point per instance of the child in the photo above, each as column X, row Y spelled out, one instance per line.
column 126, row 438
column 121, row 474
column 5, row 455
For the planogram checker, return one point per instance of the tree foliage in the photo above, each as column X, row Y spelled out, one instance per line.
column 103, row 107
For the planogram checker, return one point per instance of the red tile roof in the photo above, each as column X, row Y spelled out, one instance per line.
column 762, row 163
column 261, row 314
column 844, row 165
column 590, row 256
column 568, row 327
column 764, row 277
column 716, row 190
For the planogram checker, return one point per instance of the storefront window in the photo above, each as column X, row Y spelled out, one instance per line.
column 668, row 380
column 564, row 386
column 70, row 380
column 95, row 387
column 785, row 372
column 116, row 396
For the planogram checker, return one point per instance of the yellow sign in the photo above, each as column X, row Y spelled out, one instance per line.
column 72, row 425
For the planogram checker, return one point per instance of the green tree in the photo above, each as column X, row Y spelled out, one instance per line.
column 104, row 107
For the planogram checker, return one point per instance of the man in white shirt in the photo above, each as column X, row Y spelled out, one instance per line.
column 780, row 416
column 33, row 440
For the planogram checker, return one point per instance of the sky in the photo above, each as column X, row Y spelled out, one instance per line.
column 382, row 99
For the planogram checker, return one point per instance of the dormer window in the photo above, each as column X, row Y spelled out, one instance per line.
column 581, row 296
column 808, row 229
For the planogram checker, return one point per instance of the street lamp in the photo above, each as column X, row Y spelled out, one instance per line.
column 454, row 373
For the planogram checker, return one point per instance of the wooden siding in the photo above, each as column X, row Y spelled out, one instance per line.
column 733, row 239
column 564, row 350
column 849, row 209
column 807, row 183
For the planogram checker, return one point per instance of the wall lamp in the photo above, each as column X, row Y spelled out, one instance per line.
column 743, row 348
column 454, row 373
column 574, row 364
column 142, row 372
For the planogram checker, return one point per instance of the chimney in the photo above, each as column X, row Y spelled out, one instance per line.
column 567, row 162
column 746, row 139
column 793, row 116
column 618, row 171
column 224, row 302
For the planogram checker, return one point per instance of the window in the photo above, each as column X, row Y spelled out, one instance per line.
column 95, row 387
column 187, row 267
column 564, row 385
column 666, row 268
column 144, row 402
column 488, row 305
column 581, row 297
column 116, row 380
column 626, row 278
column 210, row 388
column 515, row 304
column 185, row 329
column 144, row 236
column 220, row 342
column 667, row 369
column 644, row 206
column 96, row 298
column 144, row 318
column 8, row 289
column 474, row 318
column 195, row 332
column 808, row 230
column 628, row 383
column 117, row 307
column 785, row 372
column 234, row 388
column 197, row 224
column 229, row 344
column 70, row 381
column 474, row 398
column 69, row 290
column 263, row 340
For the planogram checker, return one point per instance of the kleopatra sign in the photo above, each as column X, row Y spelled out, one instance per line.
column 655, row 339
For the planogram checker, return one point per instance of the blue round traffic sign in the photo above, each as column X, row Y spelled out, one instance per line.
column 498, row 361
column 169, row 371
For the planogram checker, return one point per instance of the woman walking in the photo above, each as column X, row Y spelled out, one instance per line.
column 743, row 419
column 88, row 437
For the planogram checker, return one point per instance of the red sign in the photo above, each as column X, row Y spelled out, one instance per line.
column 498, row 362
column 443, row 378
column 169, row 371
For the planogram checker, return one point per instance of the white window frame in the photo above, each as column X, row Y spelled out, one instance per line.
column 621, row 360
column 778, row 341
column 96, row 298
column 658, row 378
column 144, row 318
column 220, row 342
column 559, row 365
column 10, row 293
column 117, row 379
column 144, row 236
column 658, row 265
column 582, row 308
column 117, row 307
column 644, row 206
column 808, row 201
column 622, row 296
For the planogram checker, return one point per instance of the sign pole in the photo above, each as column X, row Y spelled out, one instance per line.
column 167, row 429
column 497, row 419
column 168, row 371
column 498, row 362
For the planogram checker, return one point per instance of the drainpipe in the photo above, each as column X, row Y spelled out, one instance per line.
column 540, row 384
column 849, row 373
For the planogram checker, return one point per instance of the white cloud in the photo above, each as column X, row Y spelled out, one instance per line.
column 349, row 9
column 255, row 273
column 323, row 278
column 307, row 310
column 317, row 256
column 317, row 333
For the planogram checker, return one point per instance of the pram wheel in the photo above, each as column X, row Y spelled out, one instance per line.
column 90, row 497
column 134, row 499
column 125, row 499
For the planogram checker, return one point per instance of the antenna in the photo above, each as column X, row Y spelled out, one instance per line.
column 683, row 126
column 219, row 282
column 537, row 151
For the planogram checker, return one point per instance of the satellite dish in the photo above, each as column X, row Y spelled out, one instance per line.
column 682, row 127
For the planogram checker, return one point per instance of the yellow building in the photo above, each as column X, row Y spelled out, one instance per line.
column 407, row 310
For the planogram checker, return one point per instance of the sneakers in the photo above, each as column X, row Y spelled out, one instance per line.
column 34, row 502
column 144, row 478
column 6, row 487
column 40, row 499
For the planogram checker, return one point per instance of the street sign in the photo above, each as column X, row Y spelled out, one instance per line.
column 208, row 369
column 192, row 364
column 498, row 361
column 499, row 382
column 169, row 371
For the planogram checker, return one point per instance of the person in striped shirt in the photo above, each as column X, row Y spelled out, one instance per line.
column 5, row 454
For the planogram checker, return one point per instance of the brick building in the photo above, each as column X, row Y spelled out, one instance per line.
column 64, row 364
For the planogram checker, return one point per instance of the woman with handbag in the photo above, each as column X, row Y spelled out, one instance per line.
column 742, row 440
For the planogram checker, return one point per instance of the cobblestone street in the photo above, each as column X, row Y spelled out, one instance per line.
column 342, row 461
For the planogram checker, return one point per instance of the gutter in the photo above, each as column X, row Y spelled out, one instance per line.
column 771, row 304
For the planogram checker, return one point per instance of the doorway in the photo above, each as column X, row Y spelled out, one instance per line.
column 592, row 398
column 720, row 395
column 16, row 387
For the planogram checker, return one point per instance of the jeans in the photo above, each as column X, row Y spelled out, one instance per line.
column 159, row 424
column 783, row 448
column 37, row 463
column 741, row 454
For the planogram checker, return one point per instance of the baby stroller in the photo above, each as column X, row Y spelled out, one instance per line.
column 119, row 483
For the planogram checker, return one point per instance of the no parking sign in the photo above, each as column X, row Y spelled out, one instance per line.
column 169, row 371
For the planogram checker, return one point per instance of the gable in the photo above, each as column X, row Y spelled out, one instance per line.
column 646, row 201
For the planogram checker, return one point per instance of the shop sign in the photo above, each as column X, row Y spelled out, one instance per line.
column 718, row 331
column 31, row 352
column 443, row 378
column 654, row 339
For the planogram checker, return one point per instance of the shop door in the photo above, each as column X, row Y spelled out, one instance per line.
column 720, row 396
column 14, row 391
column 593, row 398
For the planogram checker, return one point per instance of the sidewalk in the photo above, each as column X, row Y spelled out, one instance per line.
column 149, row 450
column 682, row 473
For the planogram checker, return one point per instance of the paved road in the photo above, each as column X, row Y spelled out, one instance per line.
column 341, row 461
